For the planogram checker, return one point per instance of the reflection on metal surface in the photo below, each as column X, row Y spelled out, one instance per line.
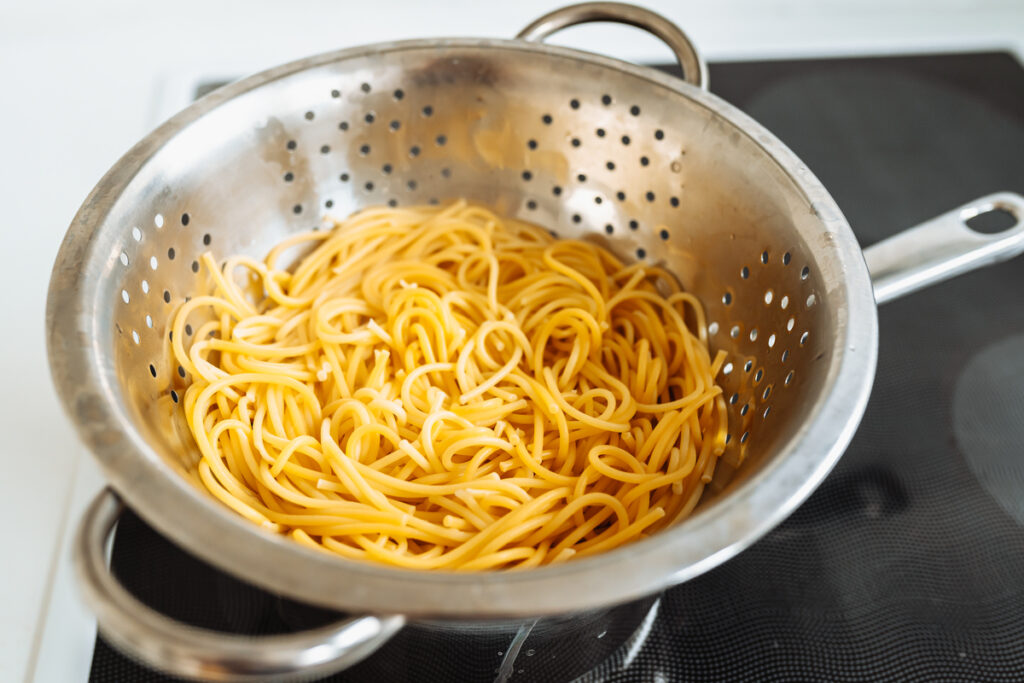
column 508, row 661
column 988, row 421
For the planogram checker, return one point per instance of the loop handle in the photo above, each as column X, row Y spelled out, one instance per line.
column 188, row 652
column 695, row 71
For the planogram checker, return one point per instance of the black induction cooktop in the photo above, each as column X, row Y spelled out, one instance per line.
column 908, row 562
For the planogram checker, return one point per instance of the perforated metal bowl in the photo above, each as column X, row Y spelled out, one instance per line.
column 657, row 169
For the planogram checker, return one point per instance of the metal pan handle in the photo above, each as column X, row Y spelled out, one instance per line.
column 188, row 652
column 695, row 71
column 944, row 247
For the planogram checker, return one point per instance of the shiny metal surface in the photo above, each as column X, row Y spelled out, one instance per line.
column 695, row 70
column 202, row 654
column 944, row 247
column 656, row 169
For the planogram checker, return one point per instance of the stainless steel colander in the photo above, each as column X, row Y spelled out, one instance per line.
column 657, row 169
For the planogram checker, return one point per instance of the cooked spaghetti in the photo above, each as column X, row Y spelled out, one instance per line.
column 441, row 388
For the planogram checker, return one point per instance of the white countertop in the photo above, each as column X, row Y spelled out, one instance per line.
column 81, row 82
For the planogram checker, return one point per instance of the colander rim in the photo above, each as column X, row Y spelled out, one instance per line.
column 86, row 383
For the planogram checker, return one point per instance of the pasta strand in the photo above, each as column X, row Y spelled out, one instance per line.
column 442, row 388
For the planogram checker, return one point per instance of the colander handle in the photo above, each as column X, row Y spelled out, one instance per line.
column 944, row 247
column 189, row 652
column 695, row 71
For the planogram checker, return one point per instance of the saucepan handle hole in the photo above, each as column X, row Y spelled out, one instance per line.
column 992, row 221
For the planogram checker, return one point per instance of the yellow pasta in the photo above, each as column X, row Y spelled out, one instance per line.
column 441, row 388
